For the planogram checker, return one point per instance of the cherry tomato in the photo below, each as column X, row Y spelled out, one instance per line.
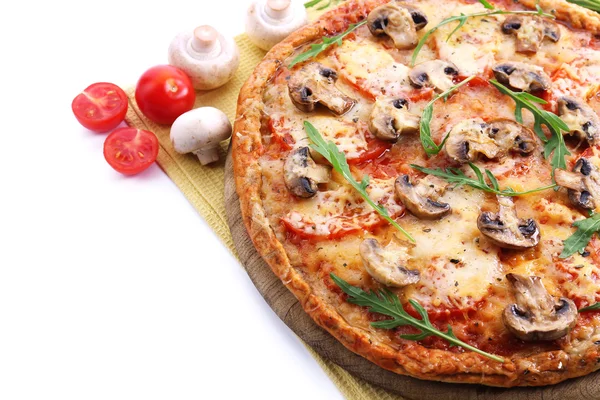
column 163, row 93
column 100, row 107
column 130, row 150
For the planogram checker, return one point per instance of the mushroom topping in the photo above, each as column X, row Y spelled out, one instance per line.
column 469, row 138
column 302, row 175
column 209, row 58
column 522, row 76
column 399, row 22
column 536, row 315
column 472, row 137
column 421, row 199
column 200, row 131
column 268, row 22
column 506, row 229
column 512, row 136
column 583, row 184
column 530, row 31
column 390, row 119
column 581, row 119
column 437, row 74
column 315, row 83
column 387, row 265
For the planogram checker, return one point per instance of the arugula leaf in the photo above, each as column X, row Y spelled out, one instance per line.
column 486, row 4
column 556, row 144
column 593, row 307
column 312, row 3
column 578, row 241
column 324, row 6
column 425, row 130
column 338, row 160
column 593, row 5
column 387, row 303
column 462, row 20
column 317, row 48
column 455, row 175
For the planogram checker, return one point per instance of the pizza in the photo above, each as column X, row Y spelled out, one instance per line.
column 441, row 159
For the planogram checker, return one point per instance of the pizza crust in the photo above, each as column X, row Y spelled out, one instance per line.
column 411, row 358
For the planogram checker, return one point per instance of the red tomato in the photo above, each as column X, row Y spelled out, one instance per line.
column 478, row 82
column 163, row 93
column 130, row 150
column 100, row 107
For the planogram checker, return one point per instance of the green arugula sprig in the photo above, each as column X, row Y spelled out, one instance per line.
column 593, row 307
column 430, row 147
column 593, row 5
column 338, row 160
column 556, row 144
column 578, row 241
column 462, row 20
column 313, row 3
column 326, row 42
column 456, row 176
column 387, row 303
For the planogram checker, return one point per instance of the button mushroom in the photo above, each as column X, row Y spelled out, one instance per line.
column 315, row 83
column 506, row 229
column 536, row 315
column 512, row 136
column 437, row 74
column 421, row 199
column 472, row 137
column 530, row 31
column 387, row 265
column 390, row 119
column 581, row 119
column 583, row 184
column 468, row 139
column 269, row 22
column 200, row 131
column 302, row 175
column 207, row 57
column 398, row 21
column 522, row 76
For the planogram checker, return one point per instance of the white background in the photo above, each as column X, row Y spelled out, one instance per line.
column 113, row 287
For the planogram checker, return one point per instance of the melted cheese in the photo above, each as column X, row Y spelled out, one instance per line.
column 372, row 68
column 579, row 78
column 346, row 135
column 473, row 47
column 349, row 137
column 457, row 267
column 332, row 212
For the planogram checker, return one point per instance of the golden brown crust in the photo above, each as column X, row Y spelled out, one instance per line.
column 411, row 359
column 578, row 17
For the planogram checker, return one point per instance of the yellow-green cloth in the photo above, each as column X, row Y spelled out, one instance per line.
column 203, row 186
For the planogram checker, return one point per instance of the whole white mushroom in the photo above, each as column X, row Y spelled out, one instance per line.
column 200, row 131
column 209, row 58
column 268, row 22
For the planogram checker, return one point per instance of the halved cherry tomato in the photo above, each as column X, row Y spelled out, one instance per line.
column 130, row 150
column 163, row 93
column 100, row 107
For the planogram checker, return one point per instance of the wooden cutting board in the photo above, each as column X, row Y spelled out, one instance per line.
column 285, row 305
